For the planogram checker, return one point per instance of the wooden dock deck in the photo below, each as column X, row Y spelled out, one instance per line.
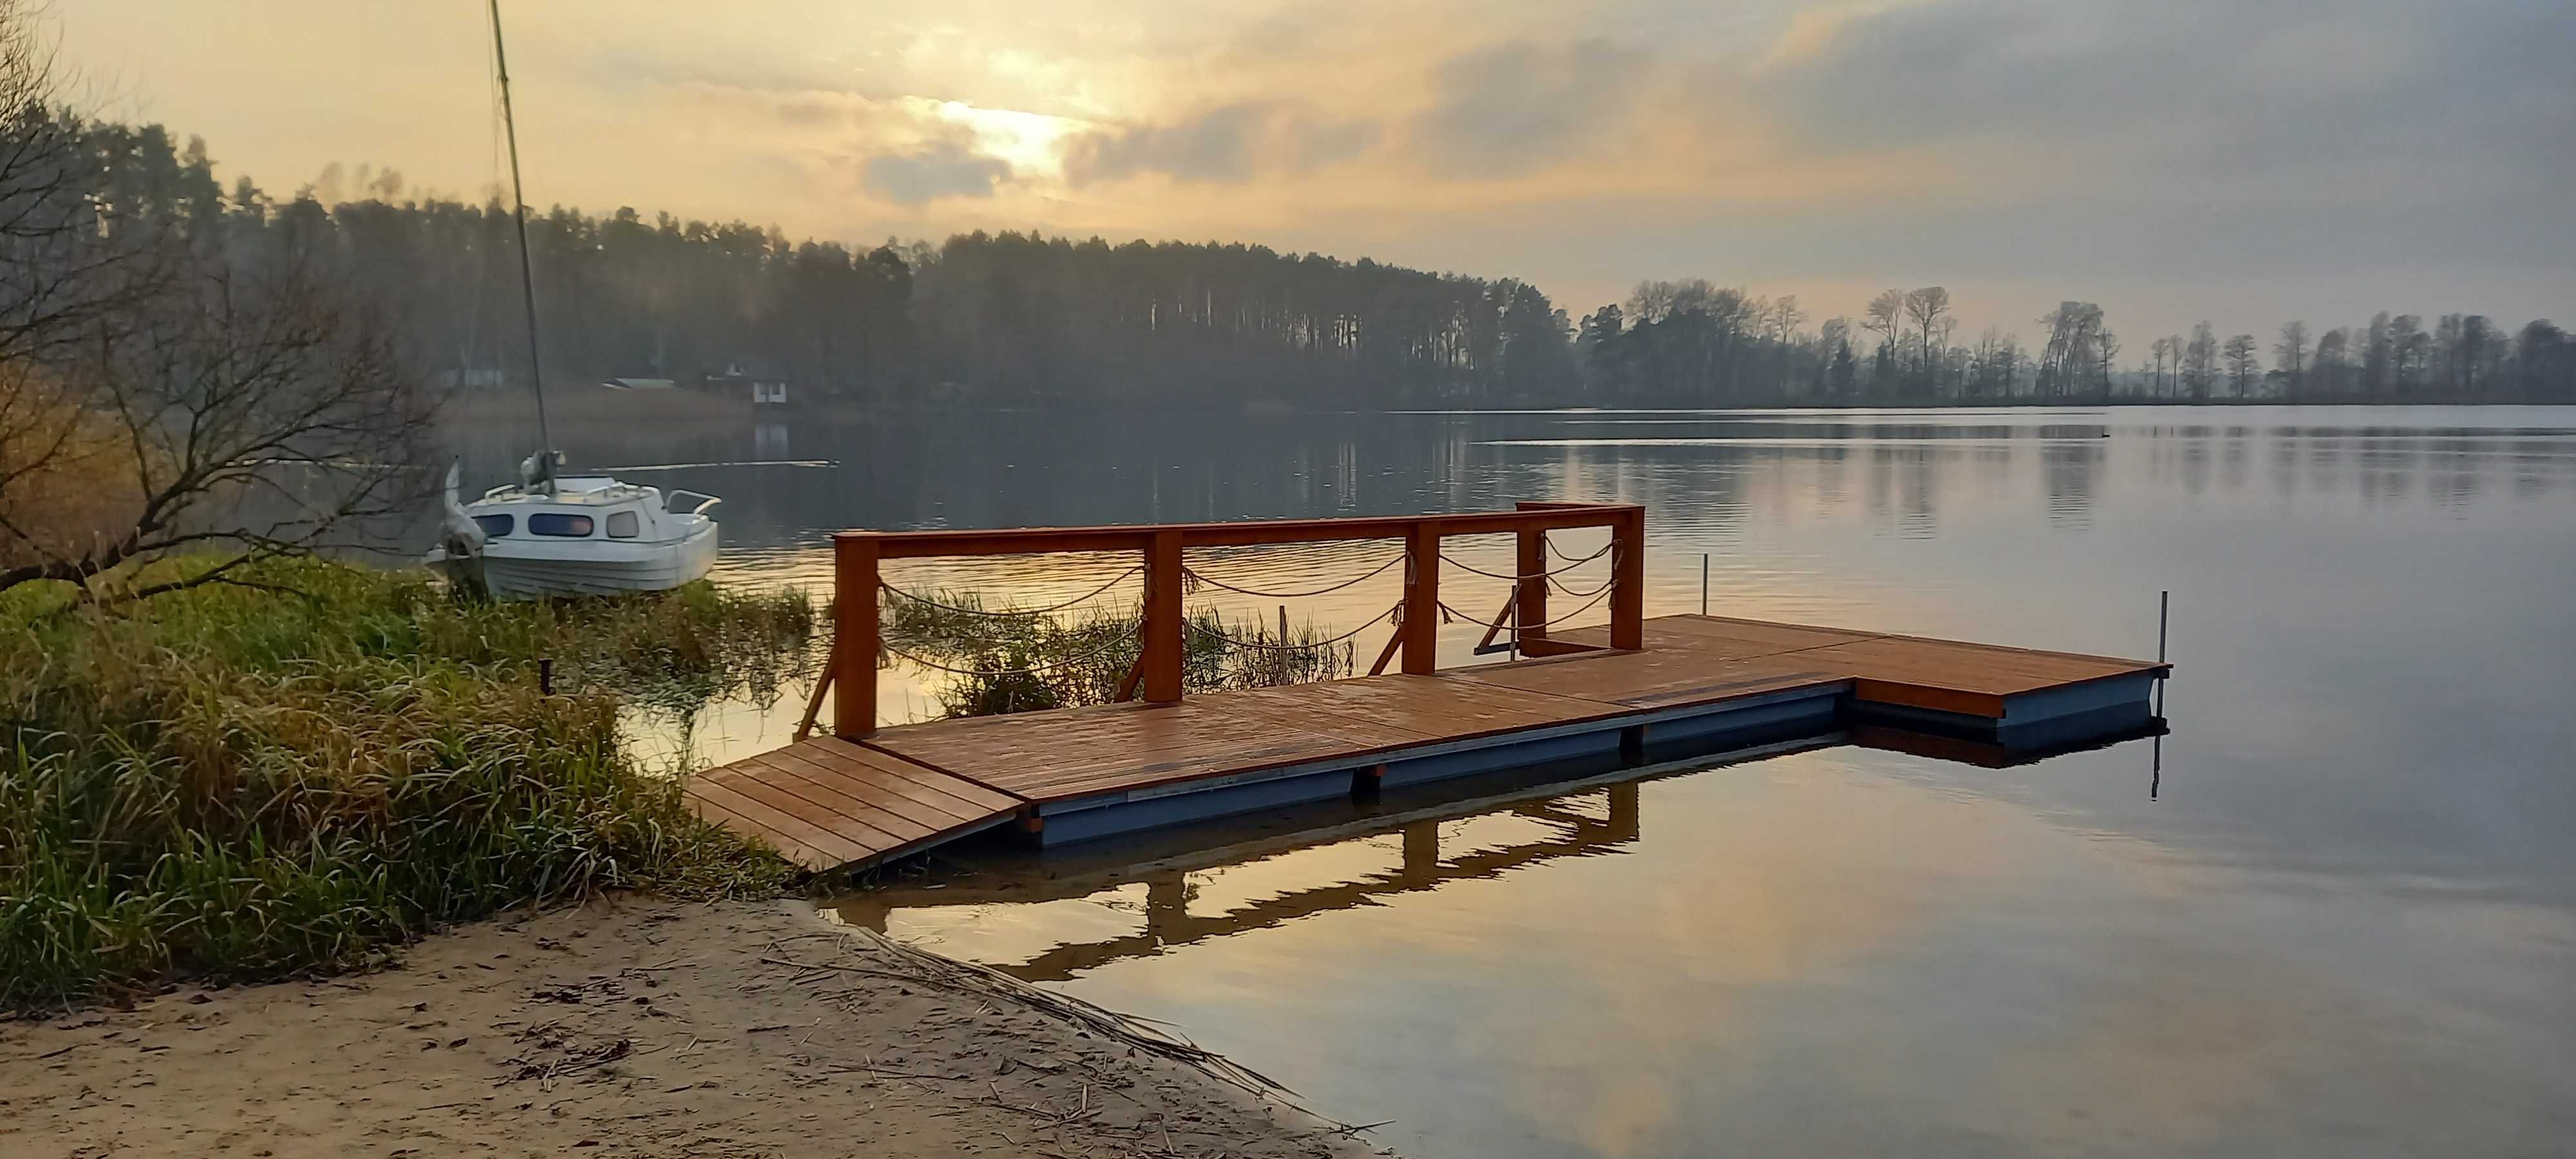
column 1082, row 773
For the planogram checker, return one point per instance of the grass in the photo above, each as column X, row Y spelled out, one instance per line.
column 1008, row 661
column 235, row 784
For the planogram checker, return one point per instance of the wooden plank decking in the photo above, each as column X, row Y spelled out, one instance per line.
column 831, row 803
column 827, row 802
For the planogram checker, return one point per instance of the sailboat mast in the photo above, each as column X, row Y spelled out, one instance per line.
column 519, row 198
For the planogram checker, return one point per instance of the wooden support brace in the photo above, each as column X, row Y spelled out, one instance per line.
column 1135, row 672
column 1486, row 646
column 1394, row 641
column 814, row 703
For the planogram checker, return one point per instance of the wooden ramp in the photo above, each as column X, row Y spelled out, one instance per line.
column 1080, row 773
column 826, row 802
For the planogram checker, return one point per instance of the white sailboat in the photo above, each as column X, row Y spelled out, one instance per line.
column 557, row 535
column 575, row 535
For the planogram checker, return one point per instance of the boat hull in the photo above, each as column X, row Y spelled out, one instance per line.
column 525, row 570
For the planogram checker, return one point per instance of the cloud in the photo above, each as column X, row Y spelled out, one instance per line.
column 1508, row 110
column 1228, row 143
column 943, row 169
column 2320, row 97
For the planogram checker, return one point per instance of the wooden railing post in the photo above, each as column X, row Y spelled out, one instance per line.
column 854, row 634
column 1163, row 616
column 1628, row 591
column 1530, row 610
column 1422, row 600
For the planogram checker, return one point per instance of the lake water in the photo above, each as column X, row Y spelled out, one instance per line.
column 2333, row 913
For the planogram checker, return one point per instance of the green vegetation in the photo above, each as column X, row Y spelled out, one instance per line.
column 243, row 783
column 1005, row 660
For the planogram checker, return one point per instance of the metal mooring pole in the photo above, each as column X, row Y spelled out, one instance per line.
column 2164, row 616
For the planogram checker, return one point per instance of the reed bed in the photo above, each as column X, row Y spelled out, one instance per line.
column 238, row 784
column 1000, row 659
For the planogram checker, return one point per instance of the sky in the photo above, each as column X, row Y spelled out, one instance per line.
column 2245, row 161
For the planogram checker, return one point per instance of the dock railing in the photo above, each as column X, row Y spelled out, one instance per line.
column 851, row 674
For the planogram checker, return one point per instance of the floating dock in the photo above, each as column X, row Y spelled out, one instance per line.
column 1080, row 774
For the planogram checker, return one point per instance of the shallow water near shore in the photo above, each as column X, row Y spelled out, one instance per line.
column 2334, row 911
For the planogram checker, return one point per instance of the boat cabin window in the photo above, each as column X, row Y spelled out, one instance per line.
column 559, row 523
column 496, row 526
column 622, row 525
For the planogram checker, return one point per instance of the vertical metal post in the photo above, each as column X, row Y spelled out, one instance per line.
column 1163, row 617
column 854, row 634
column 1628, row 583
column 1703, row 583
column 1422, row 602
column 2164, row 615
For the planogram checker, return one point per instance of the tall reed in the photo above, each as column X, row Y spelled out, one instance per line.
column 244, row 784
column 1001, row 660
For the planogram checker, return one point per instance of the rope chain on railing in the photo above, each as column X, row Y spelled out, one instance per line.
column 1212, row 581
column 1011, row 612
column 1113, row 645
column 1240, row 642
column 1465, row 566
column 1560, row 552
column 1570, row 593
column 1588, row 605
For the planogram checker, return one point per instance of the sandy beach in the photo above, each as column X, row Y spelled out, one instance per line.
column 633, row 1026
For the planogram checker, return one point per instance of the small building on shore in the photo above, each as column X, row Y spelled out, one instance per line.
column 748, row 378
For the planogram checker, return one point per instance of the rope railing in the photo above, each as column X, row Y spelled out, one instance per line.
column 1337, row 555
column 1606, row 585
column 1561, row 553
column 1011, row 612
column 1240, row 642
column 1115, row 643
column 1212, row 581
column 1463, row 565
column 1557, row 620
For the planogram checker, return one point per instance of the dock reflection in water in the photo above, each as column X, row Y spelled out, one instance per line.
column 1040, row 916
column 1564, row 825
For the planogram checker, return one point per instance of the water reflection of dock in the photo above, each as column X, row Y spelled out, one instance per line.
column 1167, row 921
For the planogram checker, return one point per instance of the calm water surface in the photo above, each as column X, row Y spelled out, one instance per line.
column 2336, row 914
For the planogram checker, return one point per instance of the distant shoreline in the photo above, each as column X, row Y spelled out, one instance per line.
column 598, row 404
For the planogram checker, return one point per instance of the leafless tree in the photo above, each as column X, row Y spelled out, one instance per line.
column 1885, row 316
column 1780, row 322
column 2200, row 362
column 2291, row 356
column 156, row 397
column 2242, row 363
column 2072, row 356
column 1928, row 309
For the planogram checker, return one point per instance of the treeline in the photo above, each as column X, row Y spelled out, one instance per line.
column 1023, row 319
column 1691, row 343
column 2461, row 357
column 1007, row 319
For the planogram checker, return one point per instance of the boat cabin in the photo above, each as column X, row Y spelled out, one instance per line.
column 582, row 507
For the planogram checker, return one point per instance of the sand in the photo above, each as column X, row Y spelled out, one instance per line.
column 635, row 1027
